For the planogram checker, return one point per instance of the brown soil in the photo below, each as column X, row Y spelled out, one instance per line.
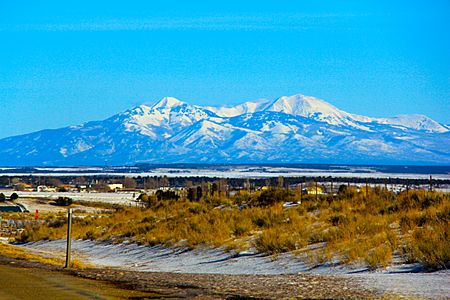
column 19, row 283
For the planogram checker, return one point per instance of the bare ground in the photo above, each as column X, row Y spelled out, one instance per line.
column 20, row 282
column 214, row 286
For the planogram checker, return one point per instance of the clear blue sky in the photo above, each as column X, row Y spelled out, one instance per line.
column 67, row 62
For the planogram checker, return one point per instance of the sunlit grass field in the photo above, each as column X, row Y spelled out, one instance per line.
column 351, row 226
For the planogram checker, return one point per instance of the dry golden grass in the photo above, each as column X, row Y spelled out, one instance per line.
column 15, row 252
column 352, row 226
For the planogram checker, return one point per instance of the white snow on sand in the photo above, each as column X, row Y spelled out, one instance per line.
column 111, row 198
column 417, row 285
column 398, row 280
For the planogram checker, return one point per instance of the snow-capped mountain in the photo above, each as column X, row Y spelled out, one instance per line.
column 164, row 118
column 297, row 128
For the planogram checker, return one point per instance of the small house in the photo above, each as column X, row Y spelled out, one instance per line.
column 312, row 190
column 115, row 186
column 44, row 188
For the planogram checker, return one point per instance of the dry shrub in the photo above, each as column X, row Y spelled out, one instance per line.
column 275, row 240
column 350, row 226
column 430, row 245
column 425, row 222
column 380, row 256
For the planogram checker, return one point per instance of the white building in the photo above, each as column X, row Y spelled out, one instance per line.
column 44, row 188
column 115, row 186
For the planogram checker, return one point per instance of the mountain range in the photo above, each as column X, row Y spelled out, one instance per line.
column 289, row 129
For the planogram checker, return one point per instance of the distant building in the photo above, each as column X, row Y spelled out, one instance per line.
column 44, row 188
column 70, row 188
column 82, row 188
column 28, row 187
column 115, row 186
column 312, row 190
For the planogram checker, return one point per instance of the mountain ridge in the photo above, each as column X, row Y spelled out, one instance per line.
column 292, row 129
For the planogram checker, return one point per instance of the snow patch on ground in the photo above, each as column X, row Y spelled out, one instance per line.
column 111, row 198
column 242, row 171
column 398, row 279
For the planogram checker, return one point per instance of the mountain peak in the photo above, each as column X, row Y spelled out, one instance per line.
column 168, row 102
column 312, row 107
column 301, row 105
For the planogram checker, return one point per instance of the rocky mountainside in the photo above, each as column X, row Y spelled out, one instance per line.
column 300, row 129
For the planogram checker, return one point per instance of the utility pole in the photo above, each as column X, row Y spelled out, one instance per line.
column 367, row 188
column 431, row 183
column 301, row 191
column 332, row 194
column 69, row 237
column 316, row 189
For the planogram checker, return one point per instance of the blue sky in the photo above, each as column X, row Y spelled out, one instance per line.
column 67, row 62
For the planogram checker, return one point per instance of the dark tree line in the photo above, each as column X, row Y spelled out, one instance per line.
column 156, row 182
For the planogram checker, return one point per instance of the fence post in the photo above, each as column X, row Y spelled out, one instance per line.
column 69, row 237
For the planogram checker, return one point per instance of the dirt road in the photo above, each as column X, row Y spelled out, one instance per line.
column 31, row 280
column 29, row 283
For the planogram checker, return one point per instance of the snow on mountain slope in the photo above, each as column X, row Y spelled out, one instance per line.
column 203, row 132
column 289, row 129
column 240, row 109
column 415, row 121
column 311, row 107
column 164, row 118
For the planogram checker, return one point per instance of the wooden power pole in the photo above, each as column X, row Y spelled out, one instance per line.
column 332, row 194
column 367, row 188
column 316, row 190
column 301, row 192
column 69, row 237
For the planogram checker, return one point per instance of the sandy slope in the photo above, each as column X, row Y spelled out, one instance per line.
column 398, row 279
